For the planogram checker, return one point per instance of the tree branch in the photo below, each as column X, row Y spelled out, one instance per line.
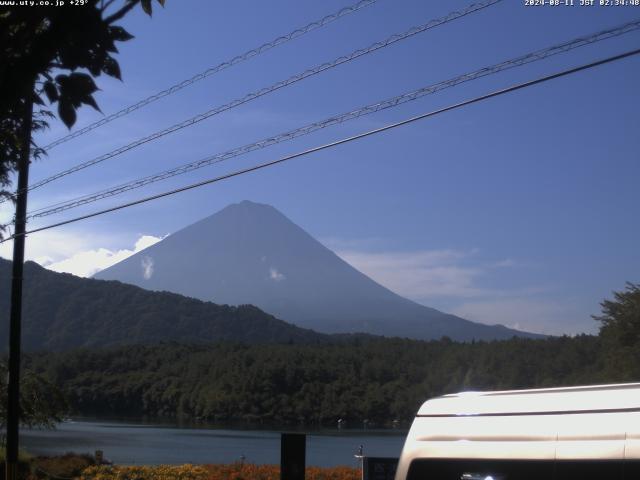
column 122, row 12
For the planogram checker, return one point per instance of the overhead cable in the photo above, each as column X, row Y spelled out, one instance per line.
column 338, row 119
column 276, row 86
column 298, row 32
column 335, row 143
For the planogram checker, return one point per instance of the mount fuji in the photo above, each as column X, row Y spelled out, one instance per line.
column 250, row 253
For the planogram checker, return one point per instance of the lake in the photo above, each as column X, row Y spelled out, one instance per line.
column 133, row 443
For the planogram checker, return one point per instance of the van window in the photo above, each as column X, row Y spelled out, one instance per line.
column 632, row 469
column 589, row 469
column 456, row 469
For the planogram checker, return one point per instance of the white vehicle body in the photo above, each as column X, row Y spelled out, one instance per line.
column 563, row 433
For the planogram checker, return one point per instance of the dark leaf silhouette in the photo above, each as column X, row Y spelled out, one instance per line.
column 34, row 42
column 67, row 113
column 51, row 90
column 120, row 34
column 146, row 6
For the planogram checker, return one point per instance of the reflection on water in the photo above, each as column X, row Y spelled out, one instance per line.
column 132, row 443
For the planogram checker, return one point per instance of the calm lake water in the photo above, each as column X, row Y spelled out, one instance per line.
column 133, row 443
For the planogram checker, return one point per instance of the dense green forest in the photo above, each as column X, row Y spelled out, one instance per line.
column 377, row 380
column 358, row 379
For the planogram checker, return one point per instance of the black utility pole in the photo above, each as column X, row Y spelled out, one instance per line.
column 13, row 391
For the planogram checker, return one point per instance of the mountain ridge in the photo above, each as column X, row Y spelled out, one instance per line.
column 62, row 311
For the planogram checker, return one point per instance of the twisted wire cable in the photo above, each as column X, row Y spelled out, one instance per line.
column 213, row 70
column 276, row 86
column 336, row 143
column 338, row 119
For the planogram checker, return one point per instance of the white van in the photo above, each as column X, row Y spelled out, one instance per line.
column 580, row 433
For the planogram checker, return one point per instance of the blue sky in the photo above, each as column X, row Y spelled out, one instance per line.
column 518, row 210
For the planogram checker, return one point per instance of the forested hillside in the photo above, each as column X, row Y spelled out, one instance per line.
column 62, row 311
column 355, row 379
column 378, row 380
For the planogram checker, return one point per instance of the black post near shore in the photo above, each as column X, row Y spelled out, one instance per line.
column 293, row 450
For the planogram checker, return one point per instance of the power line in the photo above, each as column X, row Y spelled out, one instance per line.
column 213, row 70
column 264, row 91
column 338, row 119
column 276, row 86
column 337, row 142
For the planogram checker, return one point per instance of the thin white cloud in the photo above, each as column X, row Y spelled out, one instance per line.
column 459, row 278
column 51, row 246
column 275, row 275
column 351, row 244
column 539, row 315
column 506, row 263
column 420, row 274
column 147, row 264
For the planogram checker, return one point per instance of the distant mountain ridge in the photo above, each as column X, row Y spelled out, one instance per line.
column 250, row 253
column 62, row 311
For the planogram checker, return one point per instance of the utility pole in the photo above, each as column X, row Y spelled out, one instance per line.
column 13, row 390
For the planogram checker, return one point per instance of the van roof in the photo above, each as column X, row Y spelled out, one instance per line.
column 549, row 401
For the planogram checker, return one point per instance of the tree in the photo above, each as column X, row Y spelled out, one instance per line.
column 52, row 54
column 76, row 44
column 620, row 319
column 42, row 404
column 620, row 334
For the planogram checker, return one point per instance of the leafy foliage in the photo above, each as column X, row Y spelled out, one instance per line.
column 76, row 43
column 620, row 319
column 620, row 331
column 42, row 404
column 67, row 466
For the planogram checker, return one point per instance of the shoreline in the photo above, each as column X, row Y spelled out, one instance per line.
column 152, row 444
column 190, row 424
